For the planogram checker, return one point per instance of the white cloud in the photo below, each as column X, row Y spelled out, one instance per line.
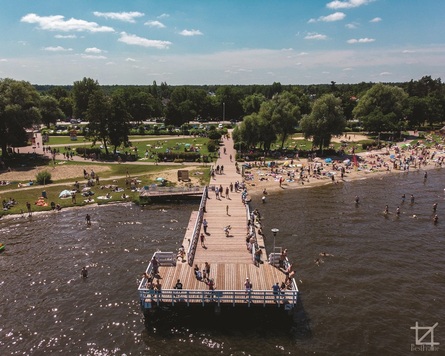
column 3, row 60
column 302, row 54
column 408, row 51
column 130, row 59
column 385, row 74
column 144, row 42
column 121, row 16
column 336, row 16
column 65, row 36
column 348, row 4
column 348, row 69
column 190, row 33
column 315, row 36
column 93, row 50
column 360, row 40
column 57, row 49
column 351, row 26
column 92, row 56
column 376, row 19
column 58, row 23
column 163, row 16
column 154, row 24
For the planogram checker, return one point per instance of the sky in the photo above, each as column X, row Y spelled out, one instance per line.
column 208, row 42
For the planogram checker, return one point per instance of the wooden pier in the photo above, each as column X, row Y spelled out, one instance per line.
column 230, row 260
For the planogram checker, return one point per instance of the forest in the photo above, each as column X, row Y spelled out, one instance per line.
column 267, row 113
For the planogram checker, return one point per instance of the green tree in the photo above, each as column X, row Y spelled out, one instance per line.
column 50, row 110
column 229, row 98
column 419, row 111
column 252, row 103
column 66, row 105
column 248, row 131
column 19, row 110
column 98, row 113
column 82, row 91
column 286, row 114
column 382, row 108
column 325, row 120
column 118, row 124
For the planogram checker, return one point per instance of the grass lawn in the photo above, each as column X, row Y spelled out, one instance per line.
column 154, row 144
column 64, row 140
column 173, row 145
column 146, row 175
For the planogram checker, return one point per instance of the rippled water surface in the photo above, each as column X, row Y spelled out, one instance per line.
column 386, row 274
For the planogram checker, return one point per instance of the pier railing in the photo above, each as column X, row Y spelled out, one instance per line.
column 149, row 298
column 195, row 235
column 164, row 259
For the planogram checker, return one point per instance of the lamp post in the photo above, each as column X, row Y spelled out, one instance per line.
column 224, row 112
column 274, row 231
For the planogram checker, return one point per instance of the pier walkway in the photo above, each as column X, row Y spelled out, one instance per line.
column 230, row 260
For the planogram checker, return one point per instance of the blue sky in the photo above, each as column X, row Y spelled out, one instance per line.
column 221, row 42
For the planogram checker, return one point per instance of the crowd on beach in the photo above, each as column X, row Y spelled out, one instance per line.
column 292, row 172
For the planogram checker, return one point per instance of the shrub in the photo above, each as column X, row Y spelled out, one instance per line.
column 43, row 177
column 213, row 146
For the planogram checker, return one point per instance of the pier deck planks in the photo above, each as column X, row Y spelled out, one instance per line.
column 230, row 261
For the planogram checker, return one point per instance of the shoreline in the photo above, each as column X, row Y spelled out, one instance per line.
column 255, row 190
column 256, row 186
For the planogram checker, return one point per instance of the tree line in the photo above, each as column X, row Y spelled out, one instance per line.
column 268, row 112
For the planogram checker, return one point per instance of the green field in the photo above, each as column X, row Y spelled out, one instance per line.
column 116, row 176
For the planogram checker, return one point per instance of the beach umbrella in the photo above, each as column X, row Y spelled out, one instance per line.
column 392, row 156
column 160, row 179
column 346, row 161
column 285, row 164
column 328, row 160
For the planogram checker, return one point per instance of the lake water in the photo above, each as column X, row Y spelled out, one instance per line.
column 387, row 273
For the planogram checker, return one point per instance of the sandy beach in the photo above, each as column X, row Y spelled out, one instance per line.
column 400, row 158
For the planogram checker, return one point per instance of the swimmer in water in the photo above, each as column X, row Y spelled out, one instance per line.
column 324, row 254
column 386, row 211
column 84, row 272
column 436, row 219
column 403, row 198
column 318, row 261
column 357, row 199
column 398, row 211
column 434, row 207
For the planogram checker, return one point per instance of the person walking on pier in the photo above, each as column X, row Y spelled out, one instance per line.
column 248, row 287
column 204, row 225
column 202, row 238
column 178, row 284
column 276, row 292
